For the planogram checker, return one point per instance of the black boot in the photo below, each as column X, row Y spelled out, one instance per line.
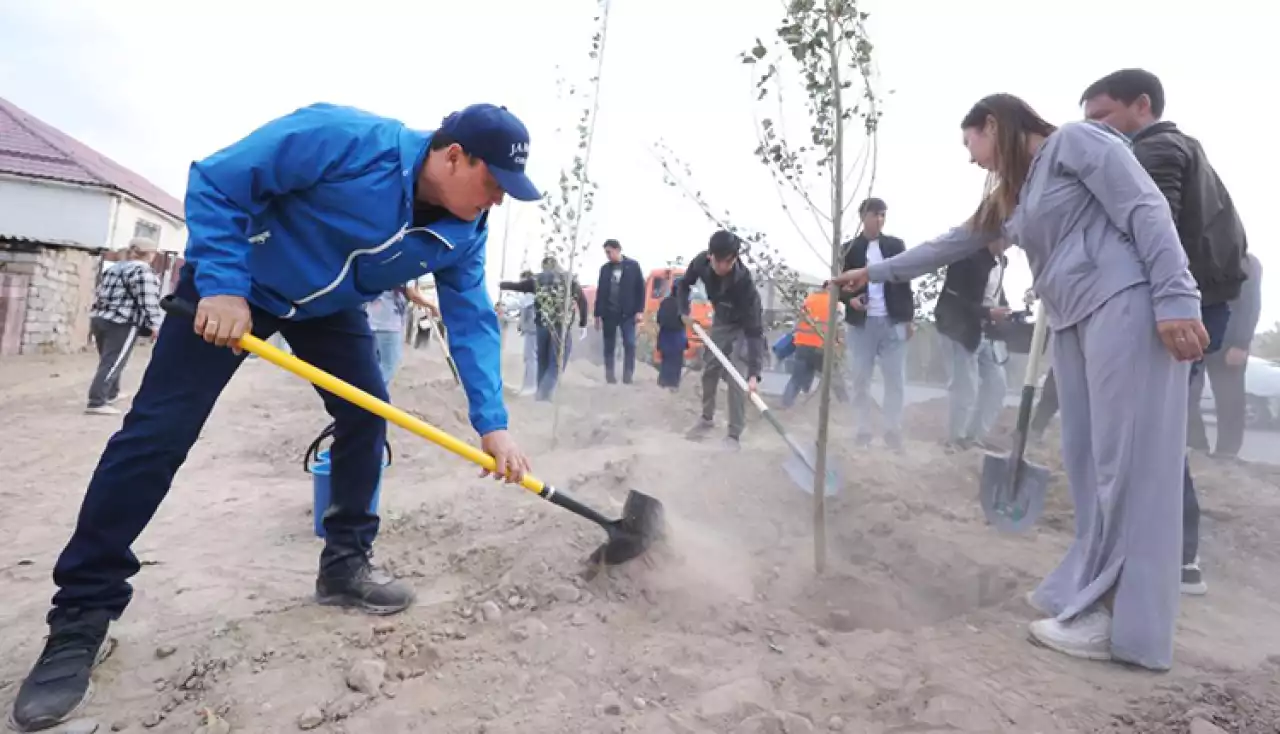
column 355, row 582
column 59, row 683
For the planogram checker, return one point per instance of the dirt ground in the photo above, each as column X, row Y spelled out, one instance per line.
column 918, row 624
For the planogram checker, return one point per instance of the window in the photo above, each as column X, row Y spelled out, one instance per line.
column 149, row 230
column 659, row 287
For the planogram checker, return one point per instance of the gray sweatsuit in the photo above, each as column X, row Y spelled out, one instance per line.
column 1105, row 258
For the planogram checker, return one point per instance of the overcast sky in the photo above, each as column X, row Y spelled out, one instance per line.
column 155, row 84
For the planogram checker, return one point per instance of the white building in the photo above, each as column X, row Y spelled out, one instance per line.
column 62, row 205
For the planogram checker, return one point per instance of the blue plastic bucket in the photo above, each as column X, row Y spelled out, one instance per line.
column 320, row 478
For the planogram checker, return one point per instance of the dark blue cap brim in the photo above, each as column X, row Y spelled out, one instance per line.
column 516, row 184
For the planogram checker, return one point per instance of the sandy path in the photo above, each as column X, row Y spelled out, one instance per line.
column 918, row 625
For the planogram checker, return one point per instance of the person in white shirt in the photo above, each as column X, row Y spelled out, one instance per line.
column 880, row 318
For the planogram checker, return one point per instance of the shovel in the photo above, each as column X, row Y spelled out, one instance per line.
column 801, row 467
column 642, row 521
column 444, row 348
column 1012, row 489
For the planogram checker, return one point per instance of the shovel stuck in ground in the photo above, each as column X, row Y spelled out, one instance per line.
column 642, row 522
column 801, row 466
column 1012, row 489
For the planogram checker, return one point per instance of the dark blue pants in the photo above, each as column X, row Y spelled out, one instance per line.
column 611, row 325
column 671, row 346
column 805, row 365
column 548, row 356
column 1215, row 320
column 178, row 391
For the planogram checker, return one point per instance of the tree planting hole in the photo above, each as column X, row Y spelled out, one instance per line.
column 906, row 593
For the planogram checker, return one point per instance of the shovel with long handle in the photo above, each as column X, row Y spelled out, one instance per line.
column 801, row 467
column 642, row 519
column 437, row 327
column 1012, row 490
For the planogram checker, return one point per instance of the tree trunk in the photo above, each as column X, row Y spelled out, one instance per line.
column 833, row 291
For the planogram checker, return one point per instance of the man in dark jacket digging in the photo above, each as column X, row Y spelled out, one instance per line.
column 738, row 322
column 1132, row 101
column 292, row 229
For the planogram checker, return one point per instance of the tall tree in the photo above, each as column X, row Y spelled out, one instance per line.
column 565, row 210
column 821, row 48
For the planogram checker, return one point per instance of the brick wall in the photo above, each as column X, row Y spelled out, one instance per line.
column 59, row 295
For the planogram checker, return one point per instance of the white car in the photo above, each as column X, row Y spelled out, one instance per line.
column 1262, row 394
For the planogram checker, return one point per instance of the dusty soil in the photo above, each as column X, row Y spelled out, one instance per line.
column 917, row 624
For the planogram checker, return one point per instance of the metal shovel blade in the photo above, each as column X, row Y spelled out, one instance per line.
column 802, row 472
column 643, row 523
column 1012, row 493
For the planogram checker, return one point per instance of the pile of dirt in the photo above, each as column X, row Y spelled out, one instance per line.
column 915, row 624
column 1208, row 707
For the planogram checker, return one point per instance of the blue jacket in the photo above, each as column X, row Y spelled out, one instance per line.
column 631, row 289
column 312, row 214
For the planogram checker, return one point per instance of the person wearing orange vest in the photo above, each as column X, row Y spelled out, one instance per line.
column 808, row 340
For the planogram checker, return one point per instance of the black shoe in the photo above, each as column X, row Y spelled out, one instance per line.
column 358, row 584
column 1193, row 579
column 893, row 441
column 60, row 684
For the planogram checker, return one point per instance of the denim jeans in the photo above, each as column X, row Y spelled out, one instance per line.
column 530, row 355
column 805, row 365
column 976, row 390
column 389, row 346
column 179, row 389
column 548, row 356
column 881, row 339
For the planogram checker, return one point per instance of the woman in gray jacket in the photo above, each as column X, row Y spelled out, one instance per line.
column 1125, row 315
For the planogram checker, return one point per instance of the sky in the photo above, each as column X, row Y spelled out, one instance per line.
column 156, row 84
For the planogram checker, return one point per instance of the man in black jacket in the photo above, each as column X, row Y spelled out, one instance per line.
column 880, row 319
column 619, row 307
column 552, row 320
column 739, row 321
column 1132, row 101
column 972, row 299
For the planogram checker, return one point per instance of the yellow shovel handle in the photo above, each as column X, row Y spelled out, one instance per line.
column 351, row 393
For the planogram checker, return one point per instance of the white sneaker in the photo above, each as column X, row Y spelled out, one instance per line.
column 1087, row 636
column 102, row 410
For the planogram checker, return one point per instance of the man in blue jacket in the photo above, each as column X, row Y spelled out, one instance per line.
column 619, row 307
column 292, row 229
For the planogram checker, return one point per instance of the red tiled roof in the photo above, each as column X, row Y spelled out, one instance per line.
column 29, row 147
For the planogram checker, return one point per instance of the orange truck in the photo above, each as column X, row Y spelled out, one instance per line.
column 656, row 288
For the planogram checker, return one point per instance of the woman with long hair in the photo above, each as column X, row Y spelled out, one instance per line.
column 1125, row 317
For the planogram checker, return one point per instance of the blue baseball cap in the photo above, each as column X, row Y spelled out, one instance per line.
column 497, row 137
